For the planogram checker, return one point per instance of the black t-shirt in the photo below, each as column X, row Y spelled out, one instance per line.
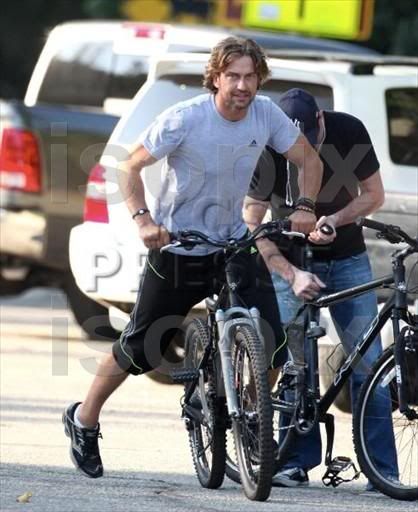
column 348, row 157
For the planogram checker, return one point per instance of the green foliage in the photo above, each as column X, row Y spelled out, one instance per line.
column 102, row 8
column 395, row 29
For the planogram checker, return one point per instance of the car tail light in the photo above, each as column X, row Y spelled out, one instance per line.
column 95, row 203
column 146, row 30
column 20, row 161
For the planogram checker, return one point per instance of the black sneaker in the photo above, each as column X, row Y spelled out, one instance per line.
column 84, row 450
column 291, row 477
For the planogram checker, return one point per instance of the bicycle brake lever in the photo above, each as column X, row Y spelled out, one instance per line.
column 165, row 248
column 294, row 233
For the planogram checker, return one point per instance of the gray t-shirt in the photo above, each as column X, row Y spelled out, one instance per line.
column 209, row 162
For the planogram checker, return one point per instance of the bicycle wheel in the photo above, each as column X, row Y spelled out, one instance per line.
column 381, row 384
column 231, row 463
column 253, row 430
column 207, row 437
column 283, row 434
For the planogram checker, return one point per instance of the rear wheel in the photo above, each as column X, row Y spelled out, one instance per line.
column 206, row 435
column 253, row 430
column 380, row 387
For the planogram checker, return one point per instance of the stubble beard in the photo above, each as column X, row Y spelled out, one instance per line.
column 239, row 105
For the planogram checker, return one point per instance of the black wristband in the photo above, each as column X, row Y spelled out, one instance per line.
column 141, row 211
column 305, row 201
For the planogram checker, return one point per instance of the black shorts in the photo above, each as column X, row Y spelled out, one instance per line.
column 172, row 284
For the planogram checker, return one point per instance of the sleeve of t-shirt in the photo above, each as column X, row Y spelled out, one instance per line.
column 369, row 163
column 165, row 134
column 283, row 133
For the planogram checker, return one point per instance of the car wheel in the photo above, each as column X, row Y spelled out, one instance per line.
column 92, row 317
column 173, row 359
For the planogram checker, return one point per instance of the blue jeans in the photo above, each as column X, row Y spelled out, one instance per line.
column 350, row 318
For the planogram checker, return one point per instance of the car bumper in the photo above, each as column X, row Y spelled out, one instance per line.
column 104, row 269
column 22, row 233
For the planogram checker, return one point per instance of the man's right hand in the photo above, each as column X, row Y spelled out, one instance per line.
column 306, row 285
column 153, row 235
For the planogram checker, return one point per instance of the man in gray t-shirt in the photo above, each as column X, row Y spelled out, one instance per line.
column 211, row 145
column 210, row 160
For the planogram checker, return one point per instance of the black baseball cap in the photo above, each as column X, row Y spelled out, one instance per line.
column 302, row 108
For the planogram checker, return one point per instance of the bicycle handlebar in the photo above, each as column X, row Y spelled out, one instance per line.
column 393, row 234
column 190, row 238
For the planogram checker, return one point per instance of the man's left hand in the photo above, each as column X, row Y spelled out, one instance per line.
column 302, row 221
column 320, row 238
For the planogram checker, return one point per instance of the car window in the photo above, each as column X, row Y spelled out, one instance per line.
column 170, row 89
column 128, row 74
column 78, row 74
column 402, row 112
column 322, row 93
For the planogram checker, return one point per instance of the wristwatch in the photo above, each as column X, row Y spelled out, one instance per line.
column 141, row 211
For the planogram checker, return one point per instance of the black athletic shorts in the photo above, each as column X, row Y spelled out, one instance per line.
column 172, row 284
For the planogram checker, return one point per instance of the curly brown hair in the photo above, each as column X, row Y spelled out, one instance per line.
column 227, row 51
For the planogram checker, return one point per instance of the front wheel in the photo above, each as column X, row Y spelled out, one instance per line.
column 207, row 430
column 386, row 440
column 253, row 430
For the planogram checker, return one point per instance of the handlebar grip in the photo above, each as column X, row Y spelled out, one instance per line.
column 326, row 229
column 372, row 224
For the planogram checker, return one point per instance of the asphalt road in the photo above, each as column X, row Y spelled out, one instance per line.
column 46, row 363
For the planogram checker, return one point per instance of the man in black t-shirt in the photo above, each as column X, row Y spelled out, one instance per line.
column 351, row 187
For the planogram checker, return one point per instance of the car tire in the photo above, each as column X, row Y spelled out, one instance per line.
column 173, row 359
column 92, row 317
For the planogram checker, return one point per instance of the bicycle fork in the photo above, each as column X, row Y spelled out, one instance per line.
column 227, row 325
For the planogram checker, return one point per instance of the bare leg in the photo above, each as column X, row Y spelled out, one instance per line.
column 109, row 377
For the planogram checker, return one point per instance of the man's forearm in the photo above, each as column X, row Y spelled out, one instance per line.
column 130, row 179
column 310, row 177
column 361, row 206
column 132, row 188
column 275, row 261
column 253, row 213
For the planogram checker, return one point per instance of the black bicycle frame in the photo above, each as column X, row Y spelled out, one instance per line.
column 346, row 369
column 311, row 312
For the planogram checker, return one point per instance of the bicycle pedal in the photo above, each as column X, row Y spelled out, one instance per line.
column 336, row 466
column 185, row 375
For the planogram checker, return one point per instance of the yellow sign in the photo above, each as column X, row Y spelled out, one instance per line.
column 345, row 19
column 228, row 13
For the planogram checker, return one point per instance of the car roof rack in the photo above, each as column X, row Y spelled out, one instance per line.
column 360, row 64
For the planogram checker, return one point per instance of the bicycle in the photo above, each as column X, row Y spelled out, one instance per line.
column 298, row 402
column 225, row 377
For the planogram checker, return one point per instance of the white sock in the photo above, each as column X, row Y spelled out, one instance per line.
column 77, row 419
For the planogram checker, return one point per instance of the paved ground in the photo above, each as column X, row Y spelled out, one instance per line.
column 46, row 363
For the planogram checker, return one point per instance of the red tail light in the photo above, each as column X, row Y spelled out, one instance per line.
column 95, row 204
column 20, row 162
column 146, row 30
